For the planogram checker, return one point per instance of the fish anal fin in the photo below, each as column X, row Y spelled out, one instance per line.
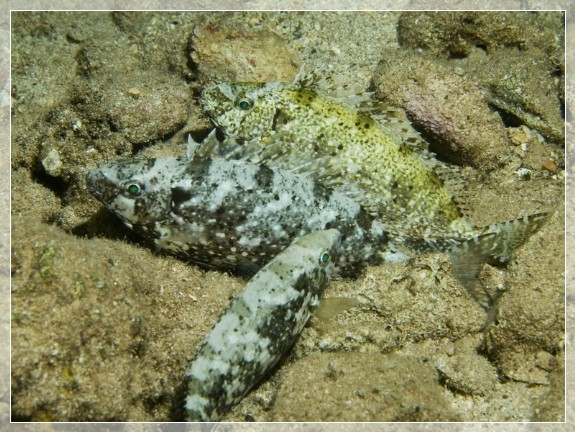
column 246, row 269
column 452, row 179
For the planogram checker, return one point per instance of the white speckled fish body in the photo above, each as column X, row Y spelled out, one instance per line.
column 259, row 325
column 234, row 215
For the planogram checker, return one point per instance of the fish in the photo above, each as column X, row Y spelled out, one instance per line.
column 235, row 215
column 287, row 232
column 366, row 155
column 259, row 325
column 394, row 180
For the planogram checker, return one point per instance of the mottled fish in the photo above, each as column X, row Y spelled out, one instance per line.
column 396, row 179
column 259, row 325
column 233, row 214
column 301, row 119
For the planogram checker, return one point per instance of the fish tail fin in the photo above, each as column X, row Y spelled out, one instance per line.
column 512, row 234
column 467, row 260
column 495, row 241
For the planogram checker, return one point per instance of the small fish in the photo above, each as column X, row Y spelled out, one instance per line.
column 259, row 325
column 391, row 175
column 233, row 214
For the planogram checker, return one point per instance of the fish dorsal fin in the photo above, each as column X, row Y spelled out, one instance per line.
column 337, row 87
column 392, row 120
column 312, row 80
column 334, row 86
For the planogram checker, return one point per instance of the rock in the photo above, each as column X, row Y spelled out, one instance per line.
column 104, row 322
column 523, row 89
column 459, row 34
column 530, row 312
column 366, row 388
column 467, row 372
column 450, row 110
column 516, row 58
column 52, row 163
column 225, row 53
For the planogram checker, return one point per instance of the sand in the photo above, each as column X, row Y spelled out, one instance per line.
column 103, row 327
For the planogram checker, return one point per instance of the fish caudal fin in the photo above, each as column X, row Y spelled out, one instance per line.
column 512, row 234
column 468, row 259
column 496, row 241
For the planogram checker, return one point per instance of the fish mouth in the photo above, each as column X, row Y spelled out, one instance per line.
column 91, row 182
column 96, row 184
column 213, row 113
column 209, row 101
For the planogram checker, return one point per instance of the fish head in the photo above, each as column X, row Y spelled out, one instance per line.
column 241, row 110
column 136, row 190
column 325, row 245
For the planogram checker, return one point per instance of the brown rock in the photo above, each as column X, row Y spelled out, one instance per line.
column 449, row 109
column 224, row 53
column 530, row 317
column 369, row 388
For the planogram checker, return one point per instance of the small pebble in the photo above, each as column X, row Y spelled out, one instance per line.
column 134, row 92
column 545, row 361
column 52, row 163
column 517, row 136
column 550, row 166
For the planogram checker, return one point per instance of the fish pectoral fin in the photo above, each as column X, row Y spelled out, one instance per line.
column 330, row 307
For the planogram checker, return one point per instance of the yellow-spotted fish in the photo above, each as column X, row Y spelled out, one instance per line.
column 398, row 181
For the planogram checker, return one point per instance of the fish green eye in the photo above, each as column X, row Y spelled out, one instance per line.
column 245, row 103
column 324, row 258
column 134, row 189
